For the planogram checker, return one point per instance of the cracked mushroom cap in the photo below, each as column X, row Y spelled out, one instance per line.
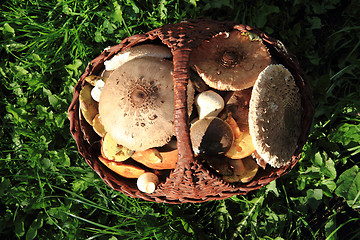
column 230, row 61
column 137, row 103
column 275, row 115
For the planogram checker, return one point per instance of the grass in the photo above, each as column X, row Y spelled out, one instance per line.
column 48, row 192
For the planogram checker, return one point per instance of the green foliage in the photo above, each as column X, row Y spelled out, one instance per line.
column 48, row 192
column 348, row 186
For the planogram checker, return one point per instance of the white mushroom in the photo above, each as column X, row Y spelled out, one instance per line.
column 209, row 104
column 95, row 92
column 149, row 50
column 147, row 182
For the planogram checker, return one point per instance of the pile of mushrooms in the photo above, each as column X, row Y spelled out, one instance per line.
column 248, row 110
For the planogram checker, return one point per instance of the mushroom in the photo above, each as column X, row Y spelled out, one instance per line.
column 242, row 145
column 275, row 115
column 199, row 84
column 149, row 50
column 260, row 161
column 95, row 92
column 92, row 79
column 97, row 126
column 147, row 182
column 106, row 74
column 113, row 151
column 244, row 170
column 128, row 169
column 210, row 136
column 154, row 159
column 220, row 164
column 88, row 106
column 238, row 107
column 172, row 145
column 137, row 103
column 209, row 104
column 230, row 61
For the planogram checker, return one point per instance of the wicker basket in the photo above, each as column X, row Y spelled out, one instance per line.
column 190, row 181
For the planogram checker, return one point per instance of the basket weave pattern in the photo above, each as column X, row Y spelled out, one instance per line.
column 190, row 181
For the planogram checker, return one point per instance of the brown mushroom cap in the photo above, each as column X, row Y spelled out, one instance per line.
column 238, row 106
column 275, row 115
column 137, row 103
column 210, row 136
column 230, row 61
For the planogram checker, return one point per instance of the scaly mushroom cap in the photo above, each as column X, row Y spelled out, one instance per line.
column 275, row 115
column 137, row 103
column 230, row 61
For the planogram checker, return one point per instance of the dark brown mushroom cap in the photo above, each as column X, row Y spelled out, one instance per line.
column 230, row 61
column 275, row 115
column 137, row 103
column 210, row 136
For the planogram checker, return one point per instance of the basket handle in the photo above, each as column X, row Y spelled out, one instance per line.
column 181, row 78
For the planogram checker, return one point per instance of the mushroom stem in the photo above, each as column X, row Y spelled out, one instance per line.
column 147, row 182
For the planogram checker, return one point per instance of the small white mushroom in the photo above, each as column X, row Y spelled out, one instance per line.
column 209, row 104
column 95, row 92
column 147, row 182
